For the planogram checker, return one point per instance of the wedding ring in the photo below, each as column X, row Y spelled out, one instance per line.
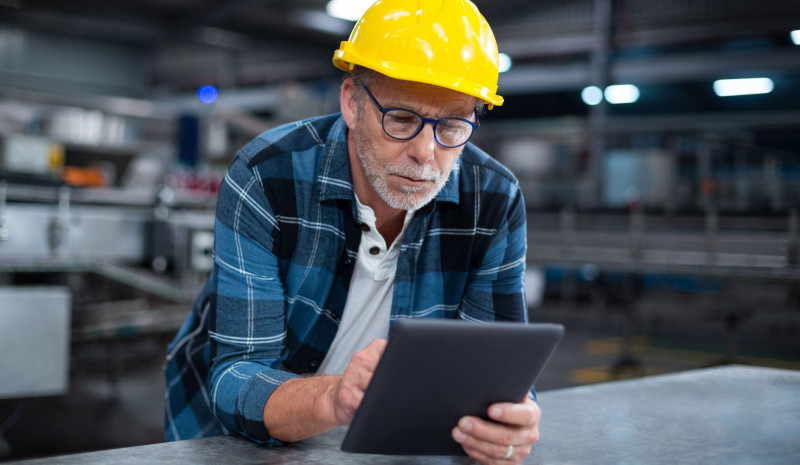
column 509, row 451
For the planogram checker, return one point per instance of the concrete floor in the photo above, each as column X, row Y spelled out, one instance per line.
column 100, row 414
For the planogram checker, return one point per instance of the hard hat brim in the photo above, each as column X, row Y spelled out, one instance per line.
column 346, row 60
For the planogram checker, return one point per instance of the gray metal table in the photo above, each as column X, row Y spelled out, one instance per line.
column 731, row 415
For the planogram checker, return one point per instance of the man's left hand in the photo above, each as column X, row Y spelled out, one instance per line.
column 517, row 425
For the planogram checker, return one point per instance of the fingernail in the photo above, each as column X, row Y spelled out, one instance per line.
column 466, row 426
column 459, row 435
column 496, row 413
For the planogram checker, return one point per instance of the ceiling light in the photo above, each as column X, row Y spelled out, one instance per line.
column 592, row 95
column 795, row 37
column 350, row 10
column 622, row 93
column 731, row 87
column 504, row 63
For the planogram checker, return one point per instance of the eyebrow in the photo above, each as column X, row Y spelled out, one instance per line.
column 448, row 112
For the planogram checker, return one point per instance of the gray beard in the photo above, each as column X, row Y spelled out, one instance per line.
column 412, row 198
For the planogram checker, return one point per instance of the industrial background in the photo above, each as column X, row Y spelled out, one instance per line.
column 662, row 212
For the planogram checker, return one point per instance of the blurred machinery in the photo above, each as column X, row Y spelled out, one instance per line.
column 112, row 201
column 733, row 280
column 683, row 224
column 104, row 237
column 34, row 341
column 130, row 261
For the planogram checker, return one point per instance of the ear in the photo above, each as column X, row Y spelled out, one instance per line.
column 347, row 103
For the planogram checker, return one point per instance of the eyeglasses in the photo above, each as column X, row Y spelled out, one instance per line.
column 402, row 124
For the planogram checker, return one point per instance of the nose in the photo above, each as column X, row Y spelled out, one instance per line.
column 421, row 148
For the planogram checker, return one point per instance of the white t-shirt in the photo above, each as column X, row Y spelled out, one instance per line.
column 368, row 307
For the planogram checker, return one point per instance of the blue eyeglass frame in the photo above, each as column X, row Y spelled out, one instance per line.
column 431, row 121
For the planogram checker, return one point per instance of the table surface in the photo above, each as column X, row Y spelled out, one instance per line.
column 732, row 415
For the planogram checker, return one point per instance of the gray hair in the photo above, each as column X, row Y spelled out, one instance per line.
column 362, row 76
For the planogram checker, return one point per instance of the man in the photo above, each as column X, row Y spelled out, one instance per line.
column 329, row 229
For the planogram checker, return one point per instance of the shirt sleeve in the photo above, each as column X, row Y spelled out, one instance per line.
column 247, row 322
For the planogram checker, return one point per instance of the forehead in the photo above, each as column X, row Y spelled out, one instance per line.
column 425, row 99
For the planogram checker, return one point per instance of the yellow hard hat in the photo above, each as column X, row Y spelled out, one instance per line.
column 446, row 43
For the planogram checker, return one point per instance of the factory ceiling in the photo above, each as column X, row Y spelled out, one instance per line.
column 556, row 46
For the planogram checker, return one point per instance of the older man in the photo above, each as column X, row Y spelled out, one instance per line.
column 330, row 229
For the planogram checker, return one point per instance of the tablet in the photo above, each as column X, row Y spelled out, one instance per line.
column 435, row 371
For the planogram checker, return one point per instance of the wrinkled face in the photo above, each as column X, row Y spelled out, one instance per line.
column 407, row 174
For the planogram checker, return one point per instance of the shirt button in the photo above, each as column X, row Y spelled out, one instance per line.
column 374, row 251
column 364, row 227
column 313, row 363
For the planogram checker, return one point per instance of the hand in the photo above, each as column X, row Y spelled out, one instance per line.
column 353, row 383
column 488, row 442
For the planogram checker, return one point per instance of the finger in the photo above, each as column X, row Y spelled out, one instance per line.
column 345, row 404
column 487, row 460
column 356, row 375
column 497, row 456
column 526, row 413
column 377, row 346
column 364, row 362
column 498, row 434
column 350, row 399
column 484, row 459
column 369, row 356
column 489, row 449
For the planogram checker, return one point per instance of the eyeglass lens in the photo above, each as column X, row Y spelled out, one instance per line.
column 405, row 124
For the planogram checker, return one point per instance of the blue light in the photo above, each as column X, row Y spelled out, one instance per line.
column 504, row 62
column 592, row 95
column 207, row 94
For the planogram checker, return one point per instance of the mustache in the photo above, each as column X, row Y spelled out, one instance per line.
column 422, row 172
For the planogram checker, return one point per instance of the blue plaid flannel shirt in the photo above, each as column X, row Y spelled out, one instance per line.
column 286, row 237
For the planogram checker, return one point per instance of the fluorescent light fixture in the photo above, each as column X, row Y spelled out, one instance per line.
column 622, row 93
column 795, row 36
column 592, row 95
column 752, row 86
column 350, row 10
column 504, row 63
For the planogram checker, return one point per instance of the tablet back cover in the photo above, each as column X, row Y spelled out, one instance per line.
column 433, row 372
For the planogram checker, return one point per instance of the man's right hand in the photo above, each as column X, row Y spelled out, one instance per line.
column 350, row 389
column 307, row 406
